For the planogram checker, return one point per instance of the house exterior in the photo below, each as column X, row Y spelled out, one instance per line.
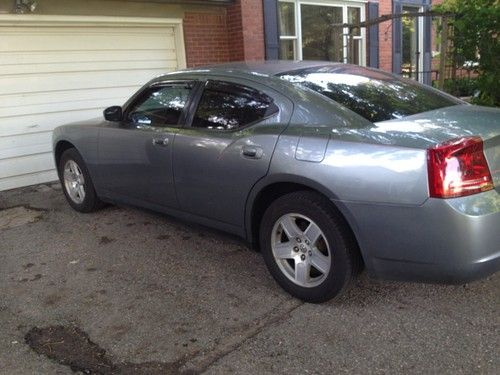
column 402, row 46
column 64, row 61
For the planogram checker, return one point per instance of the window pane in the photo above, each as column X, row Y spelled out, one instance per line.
column 354, row 17
column 321, row 41
column 225, row 106
column 375, row 95
column 287, row 49
column 287, row 19
column 161, row 107
column 410, row 55
column 354, row 51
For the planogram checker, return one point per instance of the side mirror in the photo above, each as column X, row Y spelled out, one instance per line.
column 113, row 114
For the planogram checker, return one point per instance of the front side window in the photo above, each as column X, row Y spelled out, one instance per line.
column 227, row 106
column 374, row 95
column 160, row 106
column 313, row 30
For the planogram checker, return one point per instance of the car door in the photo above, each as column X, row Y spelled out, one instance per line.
column 135, row 156
column 226, row 147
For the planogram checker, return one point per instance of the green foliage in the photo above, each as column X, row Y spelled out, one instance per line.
column 476, row 38
column 460, row 86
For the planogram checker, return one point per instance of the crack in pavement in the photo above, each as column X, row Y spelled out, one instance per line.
column 200, row 364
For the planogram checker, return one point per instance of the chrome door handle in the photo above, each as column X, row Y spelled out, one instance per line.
column 252, row 152
column 160, row 141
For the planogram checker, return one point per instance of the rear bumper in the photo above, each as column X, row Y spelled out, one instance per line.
column 435, row 273
column 448, row 241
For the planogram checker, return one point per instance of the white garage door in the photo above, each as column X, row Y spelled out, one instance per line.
column 55, row 70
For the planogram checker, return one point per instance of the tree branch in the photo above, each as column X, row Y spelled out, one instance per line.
column 388, row 17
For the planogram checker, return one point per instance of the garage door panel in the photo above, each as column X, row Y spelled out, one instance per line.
column 74, row 105
column 58, row 97
column 26, row 164
column 90, row 66
column 27, row 179
column 34, row 57
column 45, row 122
column 74, row 80
column 110, row 30
column 83, row 39
column 25, row 144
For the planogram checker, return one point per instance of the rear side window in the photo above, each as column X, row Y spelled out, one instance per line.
column 227, row 106
column 375, row 95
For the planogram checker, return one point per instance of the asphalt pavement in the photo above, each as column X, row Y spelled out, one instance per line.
column 125, row 291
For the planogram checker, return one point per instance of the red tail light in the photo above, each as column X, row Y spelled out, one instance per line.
column 458, row 168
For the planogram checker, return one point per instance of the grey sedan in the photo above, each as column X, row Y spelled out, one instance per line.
column 327, row 168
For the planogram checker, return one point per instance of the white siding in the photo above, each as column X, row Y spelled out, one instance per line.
column 55, row 70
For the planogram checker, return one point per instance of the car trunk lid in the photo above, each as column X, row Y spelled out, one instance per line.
column 428, row 129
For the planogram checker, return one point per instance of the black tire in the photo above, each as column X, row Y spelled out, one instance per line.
column 91, row 201
column 345, row 261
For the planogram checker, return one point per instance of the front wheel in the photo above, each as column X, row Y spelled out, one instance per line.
column 76, row 182
column 308, row 247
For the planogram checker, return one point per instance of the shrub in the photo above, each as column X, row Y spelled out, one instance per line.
column 476, row 38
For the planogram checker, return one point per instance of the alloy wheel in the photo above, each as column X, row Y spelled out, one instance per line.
column 301, row 250
column 74, row 182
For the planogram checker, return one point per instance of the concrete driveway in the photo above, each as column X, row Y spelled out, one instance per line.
column 127, row 291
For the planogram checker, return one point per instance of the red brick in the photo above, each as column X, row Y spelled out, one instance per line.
column 385, row 37
column 206, row 37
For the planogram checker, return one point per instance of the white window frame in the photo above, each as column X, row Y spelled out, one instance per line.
column 297, row 38
column 421, row 46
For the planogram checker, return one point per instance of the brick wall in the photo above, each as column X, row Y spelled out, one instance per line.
column 253, row 29
column 235, row 30
column 227, row 34
column 206, row 37
column 385, row 37
column 245, row 20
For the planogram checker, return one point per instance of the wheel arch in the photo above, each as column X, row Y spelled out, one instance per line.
column 61, row 146
column 273, row 187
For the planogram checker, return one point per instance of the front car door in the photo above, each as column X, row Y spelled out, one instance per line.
column 226, row 147
column 135, row 156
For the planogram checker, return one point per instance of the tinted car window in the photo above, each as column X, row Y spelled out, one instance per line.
column 375, row 95
column 225, row 106
column 160, row 106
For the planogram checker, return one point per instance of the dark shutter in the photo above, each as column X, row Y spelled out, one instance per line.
column 271, row 32
column 373, row 46
column 397, row 38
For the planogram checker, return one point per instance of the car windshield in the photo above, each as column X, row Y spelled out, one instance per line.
column 375, row 95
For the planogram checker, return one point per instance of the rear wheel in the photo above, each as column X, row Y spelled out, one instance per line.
column 307, row 246
column 76, row 182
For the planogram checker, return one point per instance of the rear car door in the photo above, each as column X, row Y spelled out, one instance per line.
column 226, row 147
column 135, row 156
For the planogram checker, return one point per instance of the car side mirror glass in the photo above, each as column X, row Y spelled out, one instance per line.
column 113, row 113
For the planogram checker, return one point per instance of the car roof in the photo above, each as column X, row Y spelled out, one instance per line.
column 254, row 68
column 267, row 71
column 270, row 67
